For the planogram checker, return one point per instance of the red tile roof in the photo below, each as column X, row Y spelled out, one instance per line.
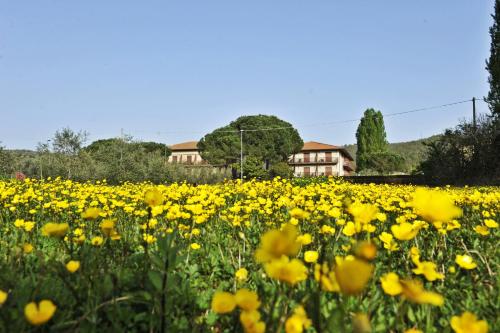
column 189, row 145
column 317, row 146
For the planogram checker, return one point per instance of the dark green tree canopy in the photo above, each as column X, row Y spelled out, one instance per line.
column 372, row 153
column 493, row 64
column 222, row 146
column 370, row 135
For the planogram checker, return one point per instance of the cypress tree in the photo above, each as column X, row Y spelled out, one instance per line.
column 371, row 137
column 493, row 64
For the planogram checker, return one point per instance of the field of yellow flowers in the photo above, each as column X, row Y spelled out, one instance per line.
column 270, row 256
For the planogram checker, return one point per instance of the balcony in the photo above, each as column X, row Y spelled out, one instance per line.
column 316, row 161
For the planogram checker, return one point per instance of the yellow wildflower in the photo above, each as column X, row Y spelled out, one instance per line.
column 311, row 256
column 390, row 284
column 433, row 205
column 353, row 275
column 38, row 314
column 72, row 266
column 223, row 302
column 247, row 300
column 55, row 229
column 465, row 261
column 3, row 296
column 241, row 274
column 275, row 243
column 468, row 323
column 283, row 269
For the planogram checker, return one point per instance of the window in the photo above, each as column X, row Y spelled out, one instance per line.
column 174, row 159
column 306, row 157
column 328, row 156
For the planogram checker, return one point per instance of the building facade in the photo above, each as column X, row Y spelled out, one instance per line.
column 320, row 159
column 186, row 153
column 315, row 159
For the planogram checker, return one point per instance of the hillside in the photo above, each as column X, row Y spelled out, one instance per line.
column 412, row 151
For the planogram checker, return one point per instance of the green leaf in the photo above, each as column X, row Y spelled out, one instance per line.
column 156, row 279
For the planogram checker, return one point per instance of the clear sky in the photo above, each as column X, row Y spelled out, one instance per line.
column 171, row 71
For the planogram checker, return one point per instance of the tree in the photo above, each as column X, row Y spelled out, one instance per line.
column 370, row 136
column 373, row 154
column 457, row 157
column 68, row 142
column 493, row 64
column 222, row 146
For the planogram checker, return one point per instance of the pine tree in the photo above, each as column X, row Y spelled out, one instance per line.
column 493, row 64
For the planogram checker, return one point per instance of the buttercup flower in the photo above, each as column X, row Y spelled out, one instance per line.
column 465, row 261
column 223, row 302
column 38, row 314
column 468, row 323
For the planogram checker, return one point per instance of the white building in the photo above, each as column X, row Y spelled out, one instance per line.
column 315, row 159
column 321, row 159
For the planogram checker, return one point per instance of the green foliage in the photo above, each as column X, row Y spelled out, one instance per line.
column 382, row 162
column 493, row 64
column 413, row 152
column 280, row 169
column 68, row 142
column 466, row 153
column 372, row 152
column 222, row 146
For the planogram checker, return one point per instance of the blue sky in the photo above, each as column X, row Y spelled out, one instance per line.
column 170, row 71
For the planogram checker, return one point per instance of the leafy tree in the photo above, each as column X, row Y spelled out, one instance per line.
column 493, row 64
column 222, row 146
column 456, row 156
column 68, row 142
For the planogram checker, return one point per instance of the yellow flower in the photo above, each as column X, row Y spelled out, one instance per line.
column 305, row 239
column 241, row 274
column 250, row 320
column 390, row 284
column 195, row 246
column 107, row 227
column 311, row 256
column 283, row 269
column 3, row 296
column 326, row 229
column 353, row 275
column 38, row 314
column 91, row 213
column 72, row 266
column 55, row 229
column 388, row 241
column 404, row 231
column 363, row 213
column 153, row 197
column 482, row 230
column 27, row 248
column 28, row 226
column 223, row 302
column 491, row 223
column 247, row 300
column 298, row 321
column 414, row 291
column 428, row 269
column 361, row 323
column 275, row 243
column 350, row 229
column 433, row 205
column 413, row 330
column 465, row 261
column 96, row 241
column 468, row 323
column 366, row 250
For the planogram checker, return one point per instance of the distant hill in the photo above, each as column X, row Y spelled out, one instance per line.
column 412, row 151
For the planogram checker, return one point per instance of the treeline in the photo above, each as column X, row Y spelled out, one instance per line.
column 116, row 160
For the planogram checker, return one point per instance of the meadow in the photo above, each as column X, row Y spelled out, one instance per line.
column 317, row 255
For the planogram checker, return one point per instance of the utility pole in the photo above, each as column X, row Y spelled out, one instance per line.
column 241, row 155
column 474, row 112
column 121, row 145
